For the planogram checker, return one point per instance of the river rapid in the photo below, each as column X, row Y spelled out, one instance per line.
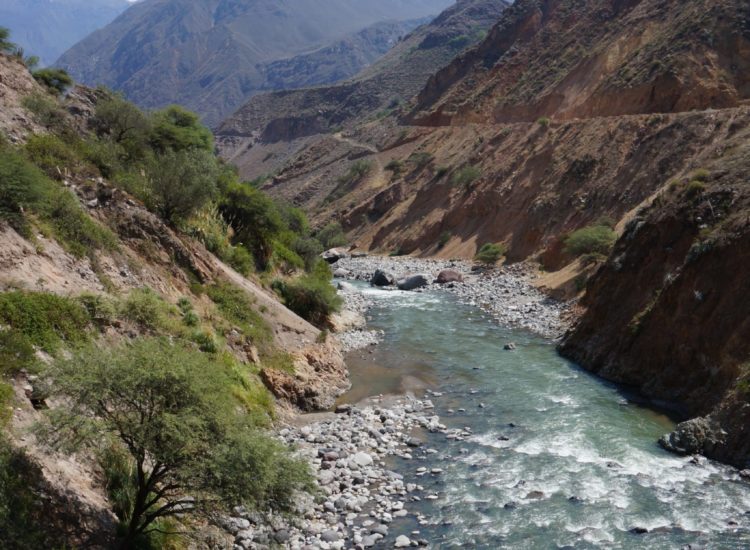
column 538, row 453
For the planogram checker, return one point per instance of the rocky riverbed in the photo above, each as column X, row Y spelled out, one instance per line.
column 359, row 495
column 507, row 293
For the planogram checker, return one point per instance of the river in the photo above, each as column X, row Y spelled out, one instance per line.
column 556, row 458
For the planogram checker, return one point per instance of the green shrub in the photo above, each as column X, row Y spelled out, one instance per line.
column 239, row 309
column 332, row 236
column 45, row 110
column 356, row 172
column 395, row 166
column 701, row 175
column 285, row 259
column 490, row 253
column 56, row 80
column 44, row 319
column 177, row 129
column 51, row 154
column 101, row 309
column 694, row 189
column 16, row 352
column 22, row 187
column 544, row 122
column 421, row 159
column 445, row 236
column 309, row 249
column 594, row 239
column 466, row 176
column 6, row 404
column 146, row 308
column 206, row 342
column 181, row 183
column 312, row 297
column 280, row 361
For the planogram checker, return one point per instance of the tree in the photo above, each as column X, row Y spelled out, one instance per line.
column 181, row 182
column 123, row 123
column 255, row 219
column 594, row 239
column 56, row 80
column 190, row 450
column 178, row 129
column 332, row 235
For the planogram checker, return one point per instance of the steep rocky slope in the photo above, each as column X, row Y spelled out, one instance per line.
column 47, row 28
column 211, row 56
column 568, row 113
column 143, row 256
column 253, row 138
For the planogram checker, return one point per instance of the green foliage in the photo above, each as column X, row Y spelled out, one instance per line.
column 123, row 123
column 16, row 352
column 312, row 296
column 51, row 154
column 445, row 236
column 331, row 236
column 6, row 46
column 205, row 341
column 43, row 319
column 147, row 309
column 465, row 176
column 237, row 306
column 101, row 309
column 356, row 172
column 171, row 405
column 178, row 129
column 701, row 175
column 395, row 166
column 490, row 253
column 309, row 249
column 46, row 111
column 56, row 80
column 544, row 122
column 255, row 218
column 21, row 188
column 459, row 42
column 6, row 404
column 421, row 159
column 182, row 182
column 285, row 259
column 694, row 189
column 594, row 239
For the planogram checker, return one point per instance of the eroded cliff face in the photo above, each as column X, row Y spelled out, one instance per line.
column 668, row 313
column 565, row 60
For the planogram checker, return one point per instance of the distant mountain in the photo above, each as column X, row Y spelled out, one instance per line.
column 285, row 116
column 212, row 55
column 47, row 28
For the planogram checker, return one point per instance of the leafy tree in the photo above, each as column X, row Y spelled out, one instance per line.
column 490, row 253
column 56, row 80
column 178, row 129
column 21, row 187
column 124, row 123
column 181, row 182
column 190, row 449
column 255, row 219
column 312, row 296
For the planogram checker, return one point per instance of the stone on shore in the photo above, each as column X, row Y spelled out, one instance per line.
column 413, row 282
column 333, row 255
column 402, row 542
column 449, row 276
column 382, row 278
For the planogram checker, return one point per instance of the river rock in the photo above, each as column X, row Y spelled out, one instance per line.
column 333, row 255
column 382, row 278
column 413, row 282
column 691, row 437
column 402, row 542
column 449, row 276
column 341, row 273
column 362, row 459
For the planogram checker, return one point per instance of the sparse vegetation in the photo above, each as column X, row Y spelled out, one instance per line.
column 55, row 80
column 332, row 235
column 544, row 122
column 445, row 236
column 490, row 253
column 594, row 239
column 312, row 296
column 466, row 176
column 396, row 166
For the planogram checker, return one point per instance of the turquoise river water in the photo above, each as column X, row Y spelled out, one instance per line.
column 558, row 459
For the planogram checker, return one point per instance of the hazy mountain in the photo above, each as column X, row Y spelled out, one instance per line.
column 211, row 55
column 49, row 27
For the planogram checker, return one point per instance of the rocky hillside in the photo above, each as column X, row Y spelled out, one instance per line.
column 47, row 28
column 254, row 138
column 85, row 265
column 577, row 116
column 211, row 56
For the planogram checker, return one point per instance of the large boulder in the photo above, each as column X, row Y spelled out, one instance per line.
column 333, row 255
column 341, row 273
column 696, row 436
column 449, row 276
column 413, row 282
column 382, row 278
